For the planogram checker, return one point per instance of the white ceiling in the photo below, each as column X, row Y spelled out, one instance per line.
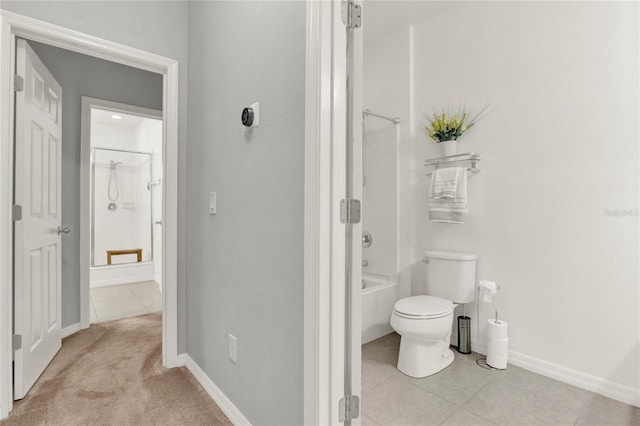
column 129, row 121
column 384, row 17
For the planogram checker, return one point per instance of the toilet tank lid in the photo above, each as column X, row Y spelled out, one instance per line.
column 451, row 255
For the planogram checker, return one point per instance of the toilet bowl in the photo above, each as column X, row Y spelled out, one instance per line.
column 424, row 323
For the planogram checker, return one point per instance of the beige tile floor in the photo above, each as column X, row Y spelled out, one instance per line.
column 465, row 394
column 123, row 301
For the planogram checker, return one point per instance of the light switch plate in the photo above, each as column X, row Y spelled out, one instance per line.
column 233, row 348
column 212, row 203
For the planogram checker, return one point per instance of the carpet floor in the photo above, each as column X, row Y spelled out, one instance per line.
column 112, row 374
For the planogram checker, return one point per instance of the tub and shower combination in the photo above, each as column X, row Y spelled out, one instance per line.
column 378, row 297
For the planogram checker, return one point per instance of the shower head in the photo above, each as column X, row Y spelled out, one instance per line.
column 114, row 164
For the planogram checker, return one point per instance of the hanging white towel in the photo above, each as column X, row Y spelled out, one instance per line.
column 444, row 183
column 449, row 210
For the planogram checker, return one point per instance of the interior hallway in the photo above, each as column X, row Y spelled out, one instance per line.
column 111, row 373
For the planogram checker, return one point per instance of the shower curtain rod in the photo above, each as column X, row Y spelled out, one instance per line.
column 394, row 120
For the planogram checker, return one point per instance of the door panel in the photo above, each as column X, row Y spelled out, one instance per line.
column 37, row 312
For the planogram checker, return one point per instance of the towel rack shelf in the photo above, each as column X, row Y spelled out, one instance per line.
column 470, row 157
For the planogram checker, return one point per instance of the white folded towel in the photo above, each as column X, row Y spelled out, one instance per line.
column 444, row 183
column 450, row 209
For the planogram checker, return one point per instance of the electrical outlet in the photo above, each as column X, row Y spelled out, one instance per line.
column 232, row 348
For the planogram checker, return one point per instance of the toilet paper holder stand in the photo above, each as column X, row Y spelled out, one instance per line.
column 482, row 362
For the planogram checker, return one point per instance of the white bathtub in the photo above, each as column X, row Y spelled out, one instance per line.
column 378, row 298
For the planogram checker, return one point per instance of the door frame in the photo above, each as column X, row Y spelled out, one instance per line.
column 13, row 25
column 325, row 239
column 85, row 191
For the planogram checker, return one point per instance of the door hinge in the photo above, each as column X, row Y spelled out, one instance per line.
column 18, row 83
column 349, row 211
column 351, row 14
column 16, row 342
column 349, row 407
column 16, row 212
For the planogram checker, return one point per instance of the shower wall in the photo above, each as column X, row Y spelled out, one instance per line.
column 129, row 225
column 379, row 199
column 132, row 224
column 386, row 202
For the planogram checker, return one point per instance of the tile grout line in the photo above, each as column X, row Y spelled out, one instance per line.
column 476, row 393
column 128, row 297
column 138, row 299
column 584, row 404
column 450, row 415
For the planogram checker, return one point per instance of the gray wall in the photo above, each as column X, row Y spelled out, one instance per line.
column 245, row 265
column 155, row 26
column 81, row 75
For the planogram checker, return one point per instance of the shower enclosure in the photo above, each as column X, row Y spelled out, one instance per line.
column 121, row 207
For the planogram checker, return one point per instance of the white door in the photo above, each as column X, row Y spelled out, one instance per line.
column 37, row 235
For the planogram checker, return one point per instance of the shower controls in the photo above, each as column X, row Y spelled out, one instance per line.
column 251, row 116
column 64, row 230
column 367, row 239
column 112, row 206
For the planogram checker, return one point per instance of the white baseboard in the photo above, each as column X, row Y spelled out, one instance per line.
column 225, row 404
column 604, row 387
column 68, row 331
column 120, row 281
column 601, row 386
column 181, row 361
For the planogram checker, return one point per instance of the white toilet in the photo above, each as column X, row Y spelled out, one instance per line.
column 425, row 322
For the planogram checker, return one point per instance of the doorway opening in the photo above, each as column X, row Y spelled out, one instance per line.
column 125, row 158
column 15, row 27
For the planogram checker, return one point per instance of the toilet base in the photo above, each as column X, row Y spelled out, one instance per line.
column 419, row 358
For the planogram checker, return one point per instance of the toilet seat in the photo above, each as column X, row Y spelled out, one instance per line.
column 423, row 307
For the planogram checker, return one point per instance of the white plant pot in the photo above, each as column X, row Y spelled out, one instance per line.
column 449, row 148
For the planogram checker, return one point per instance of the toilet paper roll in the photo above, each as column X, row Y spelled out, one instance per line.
column 497, row 353
column 496, row 330
column 488, row 290
column 498, row 347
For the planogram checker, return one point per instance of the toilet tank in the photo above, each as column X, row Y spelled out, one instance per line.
column 451, row 275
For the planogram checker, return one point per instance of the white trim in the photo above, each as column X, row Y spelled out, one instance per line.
column 317, row 252
column 325, row 236
column 7, row 59
column 85, row 196
column 224, row 403
column 68, row 331
column 604, row 387
column 625, row 394
column 337, row 182
column 76, row 41
column 181, row 361
column 12, row 25
column 120, row 281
